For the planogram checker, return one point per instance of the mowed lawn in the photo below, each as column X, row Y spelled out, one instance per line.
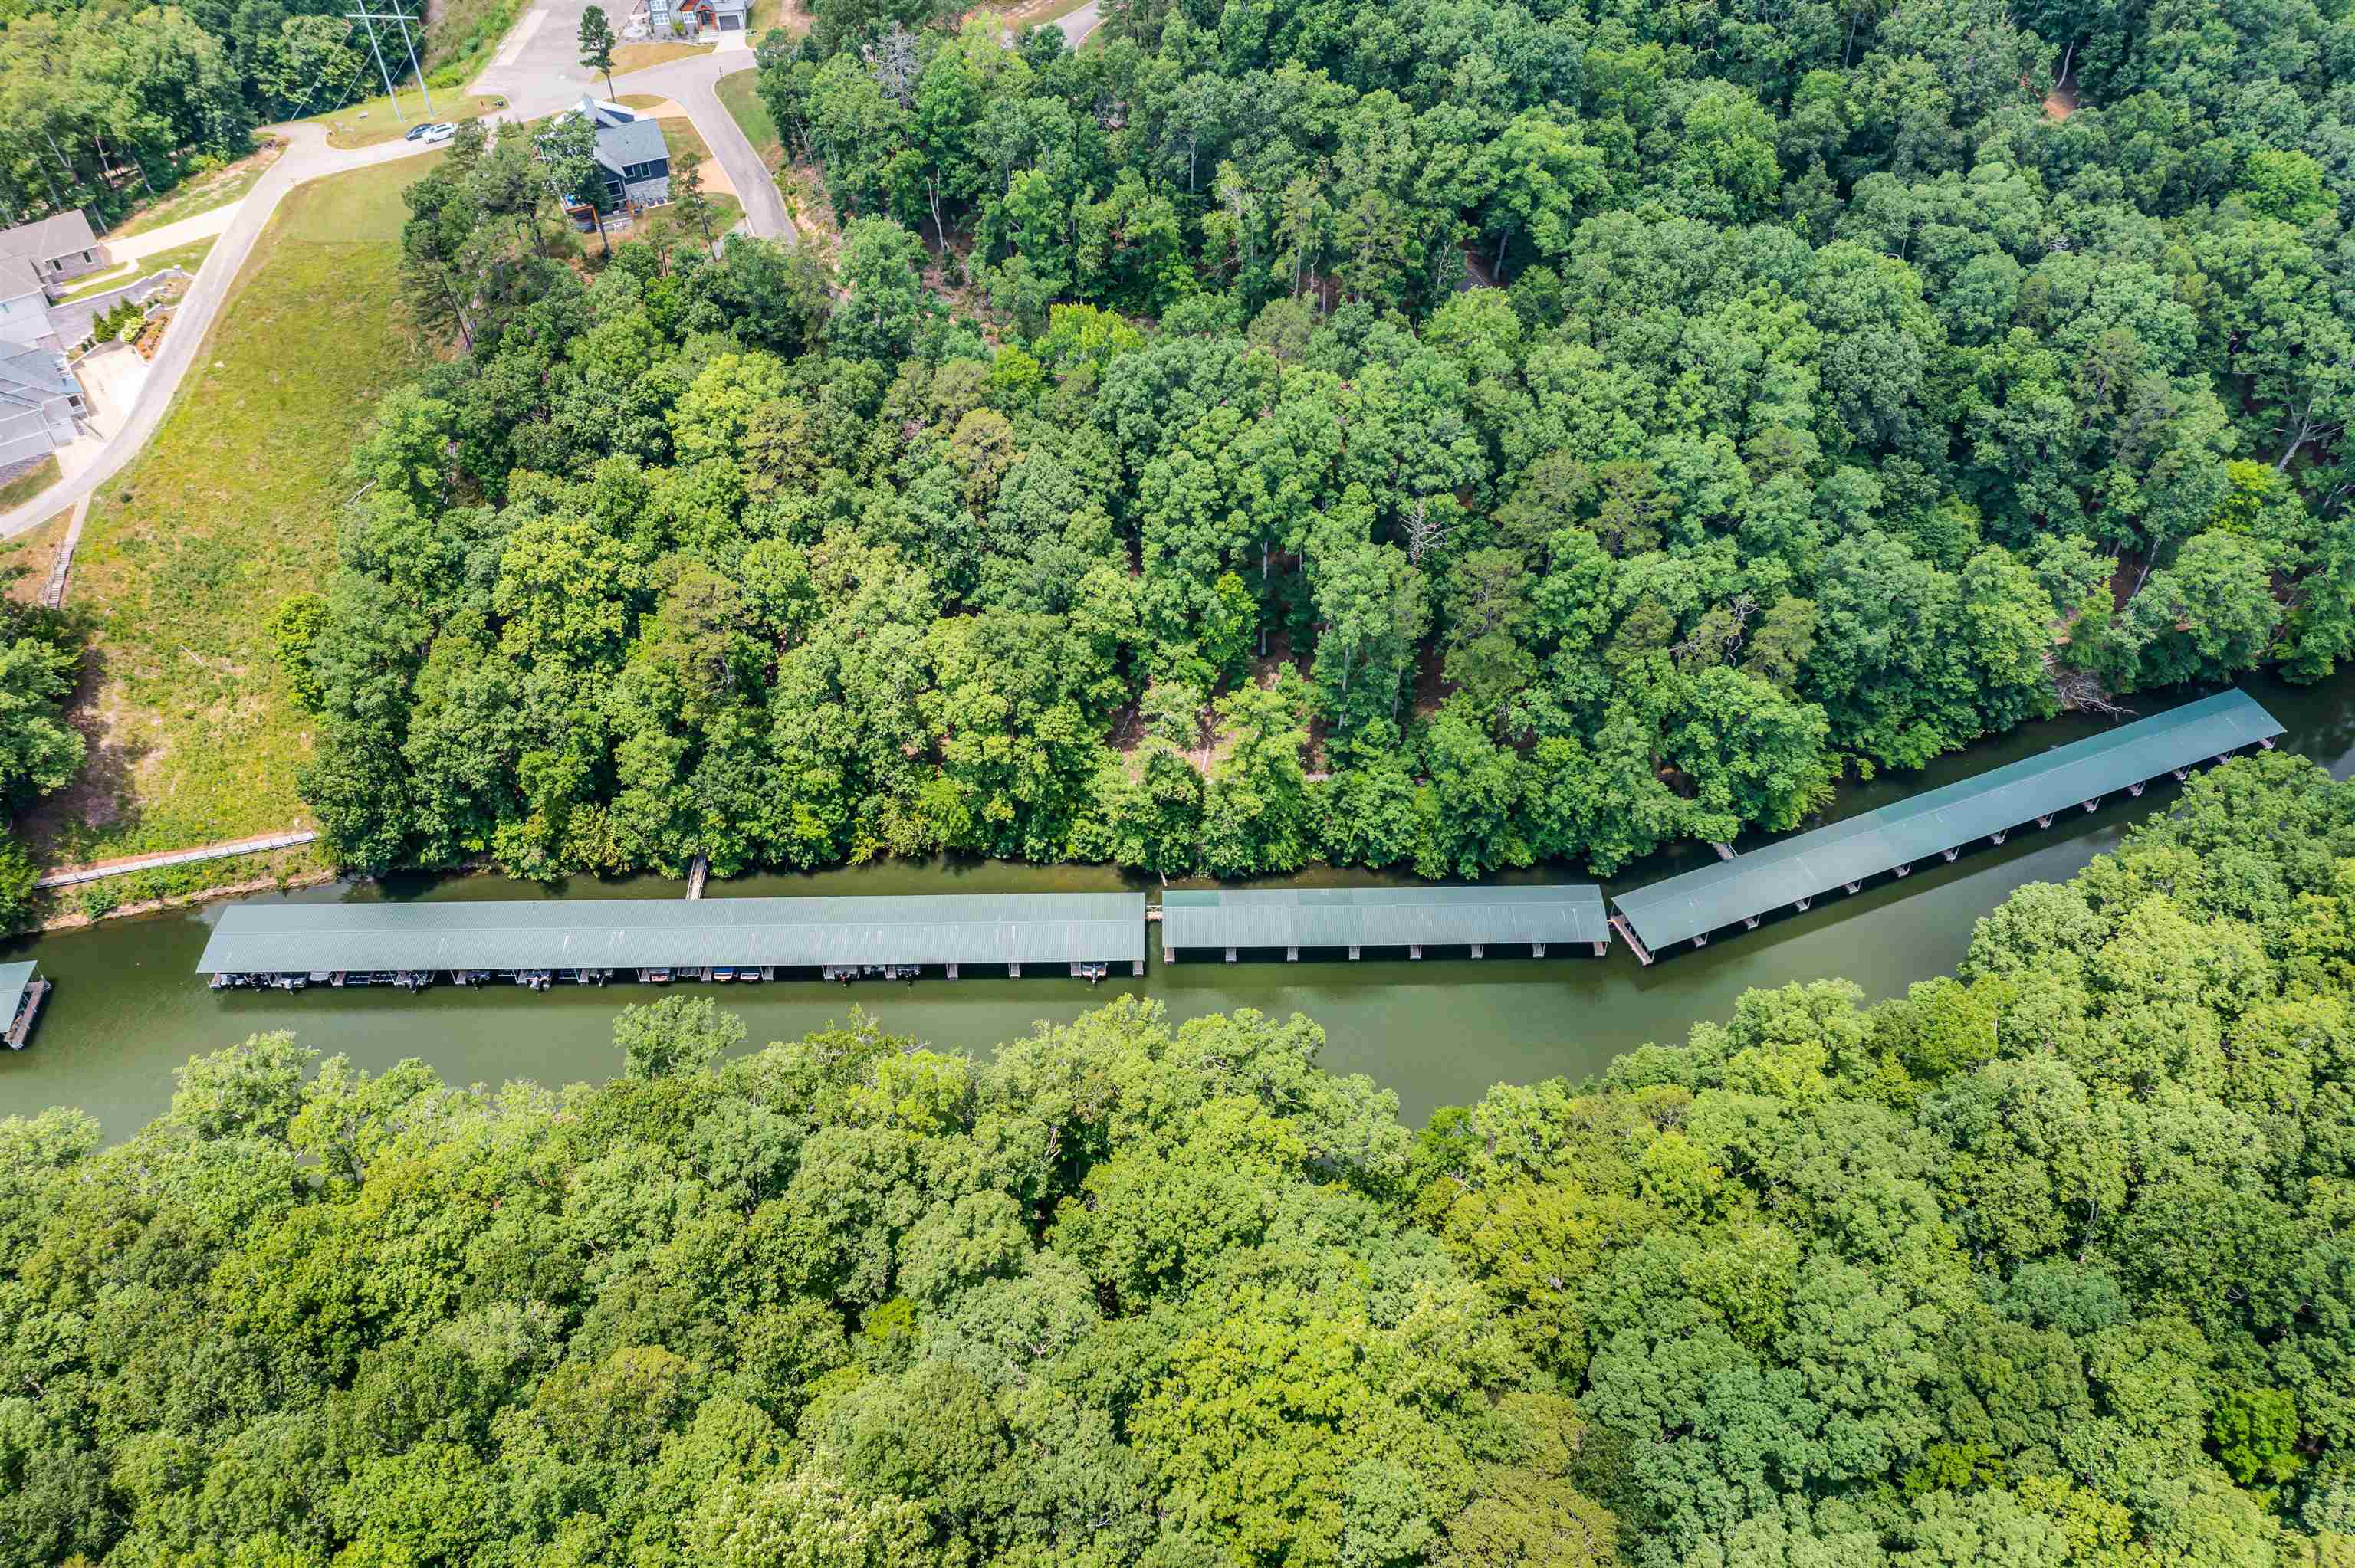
column 741, row 92
column 232, row 509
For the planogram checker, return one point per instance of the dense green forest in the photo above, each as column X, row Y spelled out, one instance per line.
column 40, row 753
column 1445, row 435
column 105, row 103
column 2046, row 1263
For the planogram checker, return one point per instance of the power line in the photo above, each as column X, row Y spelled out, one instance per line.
column 397, row 17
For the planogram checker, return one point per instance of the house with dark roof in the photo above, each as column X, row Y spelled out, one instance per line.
column 57, row 249
column 630, row 153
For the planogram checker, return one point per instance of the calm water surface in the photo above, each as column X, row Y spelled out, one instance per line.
column 128, row 1007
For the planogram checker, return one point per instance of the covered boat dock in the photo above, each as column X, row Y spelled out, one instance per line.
column 1389, row 918
column 22, row 991
column 283, row 946
column 1791, row 874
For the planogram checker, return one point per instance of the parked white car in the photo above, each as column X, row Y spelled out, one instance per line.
column 442, row 132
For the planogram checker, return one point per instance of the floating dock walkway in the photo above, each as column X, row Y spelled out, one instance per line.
column 1351, row 919
column 1793, row 873
column 288, row 945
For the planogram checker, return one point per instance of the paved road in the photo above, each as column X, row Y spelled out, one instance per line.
column 308, row 157
column 1080, row 24
column 172, row 235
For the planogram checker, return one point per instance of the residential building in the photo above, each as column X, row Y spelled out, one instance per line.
column 58, row 248
column 24, row 308
column 631, row 152
column 42, row 405
column 689, row 18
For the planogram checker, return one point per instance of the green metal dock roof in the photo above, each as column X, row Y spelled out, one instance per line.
column 1806, row 865
column 1381, row 916
column 282, row 937
column 14, row 978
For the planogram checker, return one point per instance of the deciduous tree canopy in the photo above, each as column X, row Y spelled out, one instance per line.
column 1622, row 420
column 2045, row 1263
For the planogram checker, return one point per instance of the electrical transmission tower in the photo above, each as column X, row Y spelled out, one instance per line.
column 395, row 17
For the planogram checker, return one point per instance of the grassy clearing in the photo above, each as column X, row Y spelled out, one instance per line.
column 367, row 123
column 767, row 14
column 230, row 509
column 29, row 484
column 461, row 31
column 200, row 194
column 190, row 256
column 638, row 57
column 742, row 95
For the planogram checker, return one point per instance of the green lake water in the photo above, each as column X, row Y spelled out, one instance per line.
column 128, row 1007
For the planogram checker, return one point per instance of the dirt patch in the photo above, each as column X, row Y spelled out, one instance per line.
column 31, row 554
column 715, row 175
column 2061, row 101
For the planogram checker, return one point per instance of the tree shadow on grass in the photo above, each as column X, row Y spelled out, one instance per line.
column 100, row 804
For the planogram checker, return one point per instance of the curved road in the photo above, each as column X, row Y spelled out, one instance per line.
column 308, row 157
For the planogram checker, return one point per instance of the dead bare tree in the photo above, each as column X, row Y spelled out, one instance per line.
column 2080, row 691
column 1424, row 530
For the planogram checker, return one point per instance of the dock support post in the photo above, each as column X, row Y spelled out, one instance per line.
column 1291, row 955
column 2267, row 743
column 1353, row 953
column 1477, row 950
column 1950, row 854
column 1536, row 949
column 1701, row 940
column 2043, row 821
column 1997, row 838
column 1750, row 922
column 1724, row 851
column 2091, row 804
column 2181, row 774
column 1801, row 905
column 1014, row 971
column 1230, row 955
column 1136, row 966
column 2135, row 790
column 953, row 971
column 1602, row 950
column 1906, row 869
column 1168, row 954
column 1414, row 950
column 1856, row 887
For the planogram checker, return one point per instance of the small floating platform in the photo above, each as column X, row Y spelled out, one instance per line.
column 22, row 991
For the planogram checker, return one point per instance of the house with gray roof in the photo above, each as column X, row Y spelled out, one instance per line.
column 42, row 405
column 631, row 152
column 57, row 249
